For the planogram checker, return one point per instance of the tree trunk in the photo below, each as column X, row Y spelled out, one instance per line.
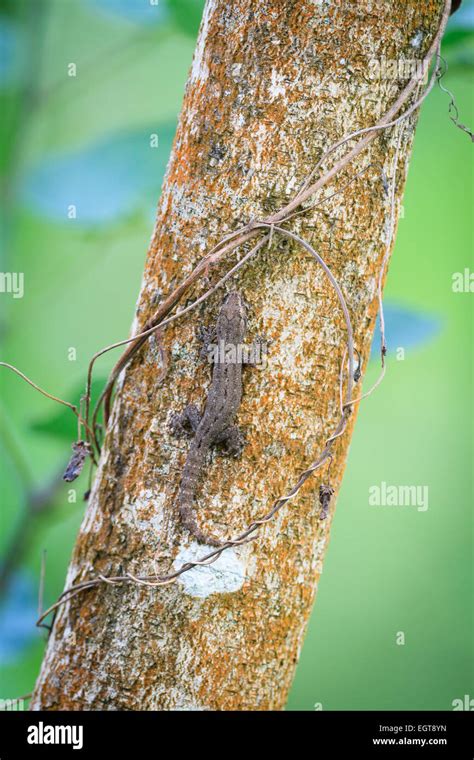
column 271, row 87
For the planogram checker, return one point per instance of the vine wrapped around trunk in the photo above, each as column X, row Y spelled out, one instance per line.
column 272, row 86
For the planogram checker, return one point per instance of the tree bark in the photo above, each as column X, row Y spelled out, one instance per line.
column 272, row 86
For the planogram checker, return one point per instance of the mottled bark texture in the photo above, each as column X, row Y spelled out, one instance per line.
column 272, row 85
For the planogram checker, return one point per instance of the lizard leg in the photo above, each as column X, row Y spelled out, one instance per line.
column 232, row 440
column 207, row 336
column 186, row 423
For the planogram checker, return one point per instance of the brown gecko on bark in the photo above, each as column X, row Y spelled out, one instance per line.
column 215, row 426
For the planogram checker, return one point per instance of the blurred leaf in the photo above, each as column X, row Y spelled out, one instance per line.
column 462, row 59
column 8, row 7
column 62, row 423
column 455, row 4
column 187, row 15
column 460, row 27
column 18, row 613
column 10, row 47
column 405, row 328
column 104, row 181
column 464, row 18
column 457, row 37
column 138, row 11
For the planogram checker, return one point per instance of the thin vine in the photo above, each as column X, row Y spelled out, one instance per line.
column 229, row 244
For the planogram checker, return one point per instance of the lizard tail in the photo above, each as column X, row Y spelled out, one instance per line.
column 189, row 521
column 186, row 502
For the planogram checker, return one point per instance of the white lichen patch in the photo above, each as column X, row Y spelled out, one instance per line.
column 145, row 512
column 277, row 87
column 225, row 575
column 417, row 40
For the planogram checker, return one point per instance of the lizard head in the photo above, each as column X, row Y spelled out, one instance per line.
column 233, row 312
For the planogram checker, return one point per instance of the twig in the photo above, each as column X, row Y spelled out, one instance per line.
column 452, row 107
column 208, row 559
column 41, row 582
column 67, row 404
column 226, row 246
column 241, row 236
column 388, row 248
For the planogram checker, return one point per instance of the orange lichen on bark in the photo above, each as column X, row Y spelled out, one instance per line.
column 272, row 85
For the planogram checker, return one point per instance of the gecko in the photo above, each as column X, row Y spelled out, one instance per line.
column 216, row 424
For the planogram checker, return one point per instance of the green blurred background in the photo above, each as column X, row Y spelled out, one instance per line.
column 84, row 140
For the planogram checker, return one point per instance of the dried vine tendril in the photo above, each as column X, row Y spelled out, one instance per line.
column 229, row 244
